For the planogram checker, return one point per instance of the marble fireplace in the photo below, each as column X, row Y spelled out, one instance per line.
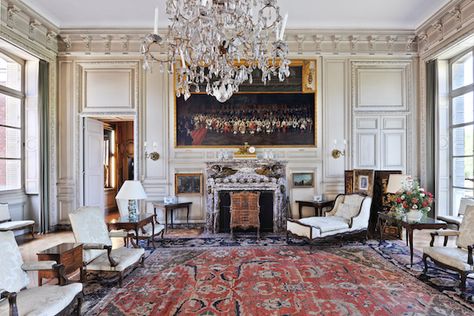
column 246, row 175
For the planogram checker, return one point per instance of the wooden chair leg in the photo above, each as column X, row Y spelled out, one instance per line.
column 79, row 306
column 463, row 278
column 33, row 231
column 445, row 243
column 425, row 269
column 120, row 279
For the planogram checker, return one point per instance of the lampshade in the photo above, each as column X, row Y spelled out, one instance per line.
column 131, row 190
column 395, row 182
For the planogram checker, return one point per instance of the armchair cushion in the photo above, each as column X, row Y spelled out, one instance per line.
column 12, row 277
column 124, row 256
column 463, row 205
column 88, row 226
column 347, row 210
column 15, row 225
column 446, row 232
column 466, row 235
column 43, row 301
column 326, row 224
column 450, row 256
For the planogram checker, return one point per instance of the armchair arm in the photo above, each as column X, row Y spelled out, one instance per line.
column 91, row 246
column 38, row 265
column 47, row 265
column 11, row 296
column 443, row 232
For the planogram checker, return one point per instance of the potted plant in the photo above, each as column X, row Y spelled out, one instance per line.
column 412, row 201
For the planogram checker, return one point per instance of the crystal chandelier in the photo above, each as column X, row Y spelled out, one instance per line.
column 215, row 45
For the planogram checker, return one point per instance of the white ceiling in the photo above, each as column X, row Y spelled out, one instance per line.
column 340, row 14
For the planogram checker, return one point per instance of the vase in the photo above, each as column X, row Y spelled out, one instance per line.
column 414, row 215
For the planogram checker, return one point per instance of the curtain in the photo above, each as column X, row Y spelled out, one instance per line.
column 431, row 106
column 43, row 105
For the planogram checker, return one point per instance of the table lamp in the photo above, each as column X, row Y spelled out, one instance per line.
column 395, row 182
column 132, row 191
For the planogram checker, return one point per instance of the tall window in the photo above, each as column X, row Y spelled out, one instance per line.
column 11, row 123
column 461, row 97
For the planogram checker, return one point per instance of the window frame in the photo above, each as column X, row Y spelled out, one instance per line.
column 452, row 94
column 21, row 95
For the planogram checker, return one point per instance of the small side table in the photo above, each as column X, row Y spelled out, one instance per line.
column 171, row 208
column 67, row 254
column 410, row 226
column 318, row 206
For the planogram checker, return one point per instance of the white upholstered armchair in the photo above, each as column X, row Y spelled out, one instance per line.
column 457, row 219
column 89, row 228
column 460, row 258
column 16, row 299
column 349, row 214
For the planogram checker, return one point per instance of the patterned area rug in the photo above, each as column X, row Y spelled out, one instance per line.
column 204, row 277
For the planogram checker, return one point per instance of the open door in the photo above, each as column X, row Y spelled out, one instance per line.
column 93, row 163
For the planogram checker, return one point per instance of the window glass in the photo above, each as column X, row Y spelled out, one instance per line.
column 463, row 140
column 463, row 109
column 462, row 172
column 462, row 71
column 10, row 111
column 10, row 174
column 10, row 142
column 10, row 73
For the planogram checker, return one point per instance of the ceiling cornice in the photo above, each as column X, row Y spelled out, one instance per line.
column 300, row 41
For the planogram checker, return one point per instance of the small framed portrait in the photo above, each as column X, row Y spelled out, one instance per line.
column 188, row 183
column 303, row 180
column 364, row 181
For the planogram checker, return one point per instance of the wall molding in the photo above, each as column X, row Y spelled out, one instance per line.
column 301, row 42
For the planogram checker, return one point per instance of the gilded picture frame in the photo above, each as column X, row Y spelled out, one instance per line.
column 189, row 132
column 303, row 180
column 188, row 183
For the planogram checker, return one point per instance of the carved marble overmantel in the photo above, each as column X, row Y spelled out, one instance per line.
column 246, row 175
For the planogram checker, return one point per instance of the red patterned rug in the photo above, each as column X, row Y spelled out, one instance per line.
column 289, row 280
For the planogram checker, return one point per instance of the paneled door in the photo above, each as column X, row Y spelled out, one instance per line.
column 93, row 163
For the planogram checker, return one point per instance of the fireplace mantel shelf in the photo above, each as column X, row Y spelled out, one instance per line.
column 246, row 175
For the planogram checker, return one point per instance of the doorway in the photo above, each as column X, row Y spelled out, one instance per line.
column 108, row 160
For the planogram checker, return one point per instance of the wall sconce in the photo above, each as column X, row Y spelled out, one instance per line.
column 336, row 152
column 154, row 155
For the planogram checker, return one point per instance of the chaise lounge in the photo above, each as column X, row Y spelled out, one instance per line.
column 350, row 214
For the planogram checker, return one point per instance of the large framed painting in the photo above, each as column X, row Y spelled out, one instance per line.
column 279, row 114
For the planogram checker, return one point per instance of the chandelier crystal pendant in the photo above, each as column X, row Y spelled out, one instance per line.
column 215, row 45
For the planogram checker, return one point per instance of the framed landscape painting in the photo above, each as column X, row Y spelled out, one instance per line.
column 188, row 183
column 303, row 180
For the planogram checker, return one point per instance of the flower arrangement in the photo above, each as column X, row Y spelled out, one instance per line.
column 411, row 197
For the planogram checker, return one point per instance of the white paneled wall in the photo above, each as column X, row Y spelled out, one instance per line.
column 383, row 102
column 368, row 102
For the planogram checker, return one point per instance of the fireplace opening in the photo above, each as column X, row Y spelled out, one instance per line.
column 266, row 212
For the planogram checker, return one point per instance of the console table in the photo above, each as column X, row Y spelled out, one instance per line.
column 170, row 208
column 410, row 226
column 317, row 205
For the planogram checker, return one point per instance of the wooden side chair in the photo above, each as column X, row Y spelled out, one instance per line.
column 16, row 299
column 244, row 211
column 7, row 224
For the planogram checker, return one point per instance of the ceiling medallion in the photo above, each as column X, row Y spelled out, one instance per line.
column 215, row 45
